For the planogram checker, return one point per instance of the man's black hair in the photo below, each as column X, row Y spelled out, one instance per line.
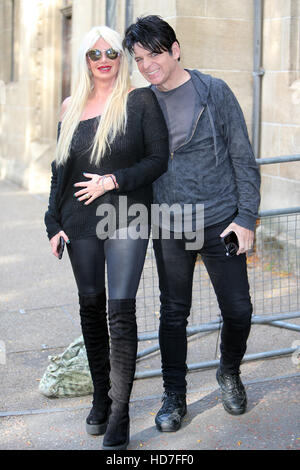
column 152, row 33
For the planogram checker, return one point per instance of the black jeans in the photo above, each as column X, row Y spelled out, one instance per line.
column 230, row 281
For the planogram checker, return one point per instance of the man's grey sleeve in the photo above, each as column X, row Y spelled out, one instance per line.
column 247, row 174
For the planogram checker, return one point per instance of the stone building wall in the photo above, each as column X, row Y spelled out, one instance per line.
column 280, row 125
column 30, row 92
column 216, row 37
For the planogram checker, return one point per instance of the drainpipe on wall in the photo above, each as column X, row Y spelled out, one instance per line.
column 111, row 12
column 258, row 73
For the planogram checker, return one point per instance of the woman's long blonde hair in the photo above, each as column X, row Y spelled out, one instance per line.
column 114, row 117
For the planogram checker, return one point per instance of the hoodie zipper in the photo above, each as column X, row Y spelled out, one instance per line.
column 194, row 130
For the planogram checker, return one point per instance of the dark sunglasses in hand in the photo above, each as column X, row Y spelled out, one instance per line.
column 96, row 54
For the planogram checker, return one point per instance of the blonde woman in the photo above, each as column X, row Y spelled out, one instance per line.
column 113, row 143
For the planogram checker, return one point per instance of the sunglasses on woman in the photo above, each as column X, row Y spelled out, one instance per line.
column 96, row 54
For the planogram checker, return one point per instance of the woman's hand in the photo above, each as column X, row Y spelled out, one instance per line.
column 54, row 241
column 94, row 188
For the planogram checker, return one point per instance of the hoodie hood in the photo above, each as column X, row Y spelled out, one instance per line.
column 202, row 83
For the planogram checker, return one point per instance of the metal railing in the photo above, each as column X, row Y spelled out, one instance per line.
column 274, row 278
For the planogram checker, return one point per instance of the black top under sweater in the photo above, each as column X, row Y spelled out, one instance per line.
column 136, row 158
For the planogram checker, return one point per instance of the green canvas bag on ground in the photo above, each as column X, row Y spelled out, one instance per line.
column 68, row 374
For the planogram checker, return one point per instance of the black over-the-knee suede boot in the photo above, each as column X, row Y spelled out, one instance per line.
column 123, row 350
column 96, row 339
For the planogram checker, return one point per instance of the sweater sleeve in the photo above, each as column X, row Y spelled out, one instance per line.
column 51, row 218
column 154, row 161
column 247, row 175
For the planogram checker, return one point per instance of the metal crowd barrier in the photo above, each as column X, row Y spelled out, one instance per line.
column 274, row 278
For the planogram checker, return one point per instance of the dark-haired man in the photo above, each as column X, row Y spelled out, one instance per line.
column 211, row 163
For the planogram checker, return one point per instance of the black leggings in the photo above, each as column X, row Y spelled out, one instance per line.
column 124, row 258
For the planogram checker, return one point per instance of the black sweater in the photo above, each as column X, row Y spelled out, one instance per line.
column 136, row 158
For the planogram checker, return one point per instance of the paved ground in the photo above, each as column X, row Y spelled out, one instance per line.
column 38, row 318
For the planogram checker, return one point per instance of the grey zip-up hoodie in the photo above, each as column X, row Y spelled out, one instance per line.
column 215, row 166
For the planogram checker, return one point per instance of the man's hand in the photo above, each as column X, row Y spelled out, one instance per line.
column 245, row 236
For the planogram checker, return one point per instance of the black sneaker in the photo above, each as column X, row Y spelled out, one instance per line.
column 234, row 396
column 168, row 419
